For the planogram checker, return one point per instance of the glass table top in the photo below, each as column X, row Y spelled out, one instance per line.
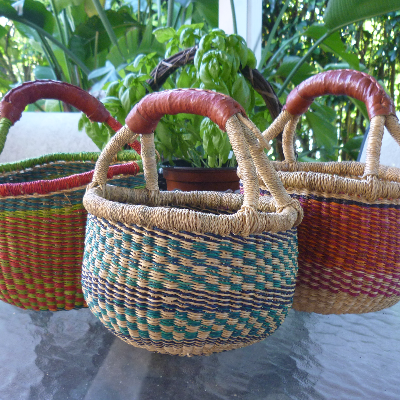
column 71, row 355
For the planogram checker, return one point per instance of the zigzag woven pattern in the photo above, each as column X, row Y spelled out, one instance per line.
column 184, row 293
column 349, row 258
column 42, row 236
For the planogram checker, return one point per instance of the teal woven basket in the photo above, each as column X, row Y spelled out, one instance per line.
column 190, row 273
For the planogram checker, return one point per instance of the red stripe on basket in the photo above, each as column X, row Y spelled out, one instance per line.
column 136, row 146
column 349, row 248
column 70, row 182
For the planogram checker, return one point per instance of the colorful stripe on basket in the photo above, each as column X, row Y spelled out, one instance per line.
column 57, row 183
column 348, row 246
column 165, row 290
column 41, row 246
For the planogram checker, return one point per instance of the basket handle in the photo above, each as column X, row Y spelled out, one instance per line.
column 221, row 109
column 351, row 83
column 356, row 84
column 145, row 116
column 14, row 102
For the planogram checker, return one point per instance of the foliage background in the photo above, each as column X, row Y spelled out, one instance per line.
column 100, row 53
column 371, row 46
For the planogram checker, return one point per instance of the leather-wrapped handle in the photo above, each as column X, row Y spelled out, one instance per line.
column 15, row 101
column 346, row 82
column 145, row 116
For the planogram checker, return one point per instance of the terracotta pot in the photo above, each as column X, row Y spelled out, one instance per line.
column 208, row 179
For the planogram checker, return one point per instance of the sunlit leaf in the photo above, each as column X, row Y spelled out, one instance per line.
column 43, row 72
column 206, row 10
column 3, row 31
column 340, row 13
column 334, row 44
column 325, row 133
column 61, row 4
column 36, row 12
column 53, row 105
column 164, row 34
column 6, row 10
column 304, row 72
column 90, row 7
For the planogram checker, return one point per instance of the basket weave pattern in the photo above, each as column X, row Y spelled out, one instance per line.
column 358, row 256
column 349, row 242
column 190, row 273
column 42, row 219
column 42, row 235
column 186, row 293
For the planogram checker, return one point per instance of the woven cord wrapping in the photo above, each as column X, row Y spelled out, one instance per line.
column 42, row 219
column 190, row 273
column 349, row 259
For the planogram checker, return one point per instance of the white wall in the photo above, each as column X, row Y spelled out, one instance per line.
column 36, row 134
column 390, row 151
column 248, row 21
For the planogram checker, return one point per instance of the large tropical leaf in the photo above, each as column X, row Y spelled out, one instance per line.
column 36, row 12
column 334, row 44
column 7, row 10
column 304, row 72
column 206, row 10
column 324, row 132
column 341, row 13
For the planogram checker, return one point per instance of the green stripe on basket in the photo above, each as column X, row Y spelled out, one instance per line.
column 123, row 156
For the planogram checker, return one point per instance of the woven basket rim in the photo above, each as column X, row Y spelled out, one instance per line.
column 68, row 183
column 343, row 178
column 89, row 156
column 117, row 204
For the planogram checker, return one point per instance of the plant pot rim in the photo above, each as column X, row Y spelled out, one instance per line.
column 200, row 169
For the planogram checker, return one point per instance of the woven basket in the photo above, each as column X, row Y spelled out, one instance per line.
column 349, row 241
column 190, row 273
column 42, row 219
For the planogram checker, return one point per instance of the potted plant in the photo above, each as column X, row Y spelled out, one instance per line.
column 220, row 63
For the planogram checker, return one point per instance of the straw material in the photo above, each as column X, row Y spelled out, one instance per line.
column 190, row 273
column 349, row 257
column 42, row 227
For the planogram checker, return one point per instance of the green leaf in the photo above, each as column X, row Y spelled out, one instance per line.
column 61, row 4
column 304, row 72
column 164, row 135
column 101, row 71
column 42, row 72
column 361, row 106
column 192, row 26
column 51, row 105
column 147, row 40
column 109, row 74
column 164, row 34
column 6, row 10
column 241, row 92
column 325, row 112
column 3, row 31
column 353, row 145
column 206, row 10
column 36, row 12
column 334, row 44
column 91, row 8
column 184, row 80
column 28, row 32
column 77, row 46
column 340, row 13
column 324, row 132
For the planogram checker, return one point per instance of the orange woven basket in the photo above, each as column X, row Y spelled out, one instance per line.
column 349, row 240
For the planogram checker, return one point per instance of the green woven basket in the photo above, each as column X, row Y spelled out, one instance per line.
column 42, row 219
column 190, row 273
